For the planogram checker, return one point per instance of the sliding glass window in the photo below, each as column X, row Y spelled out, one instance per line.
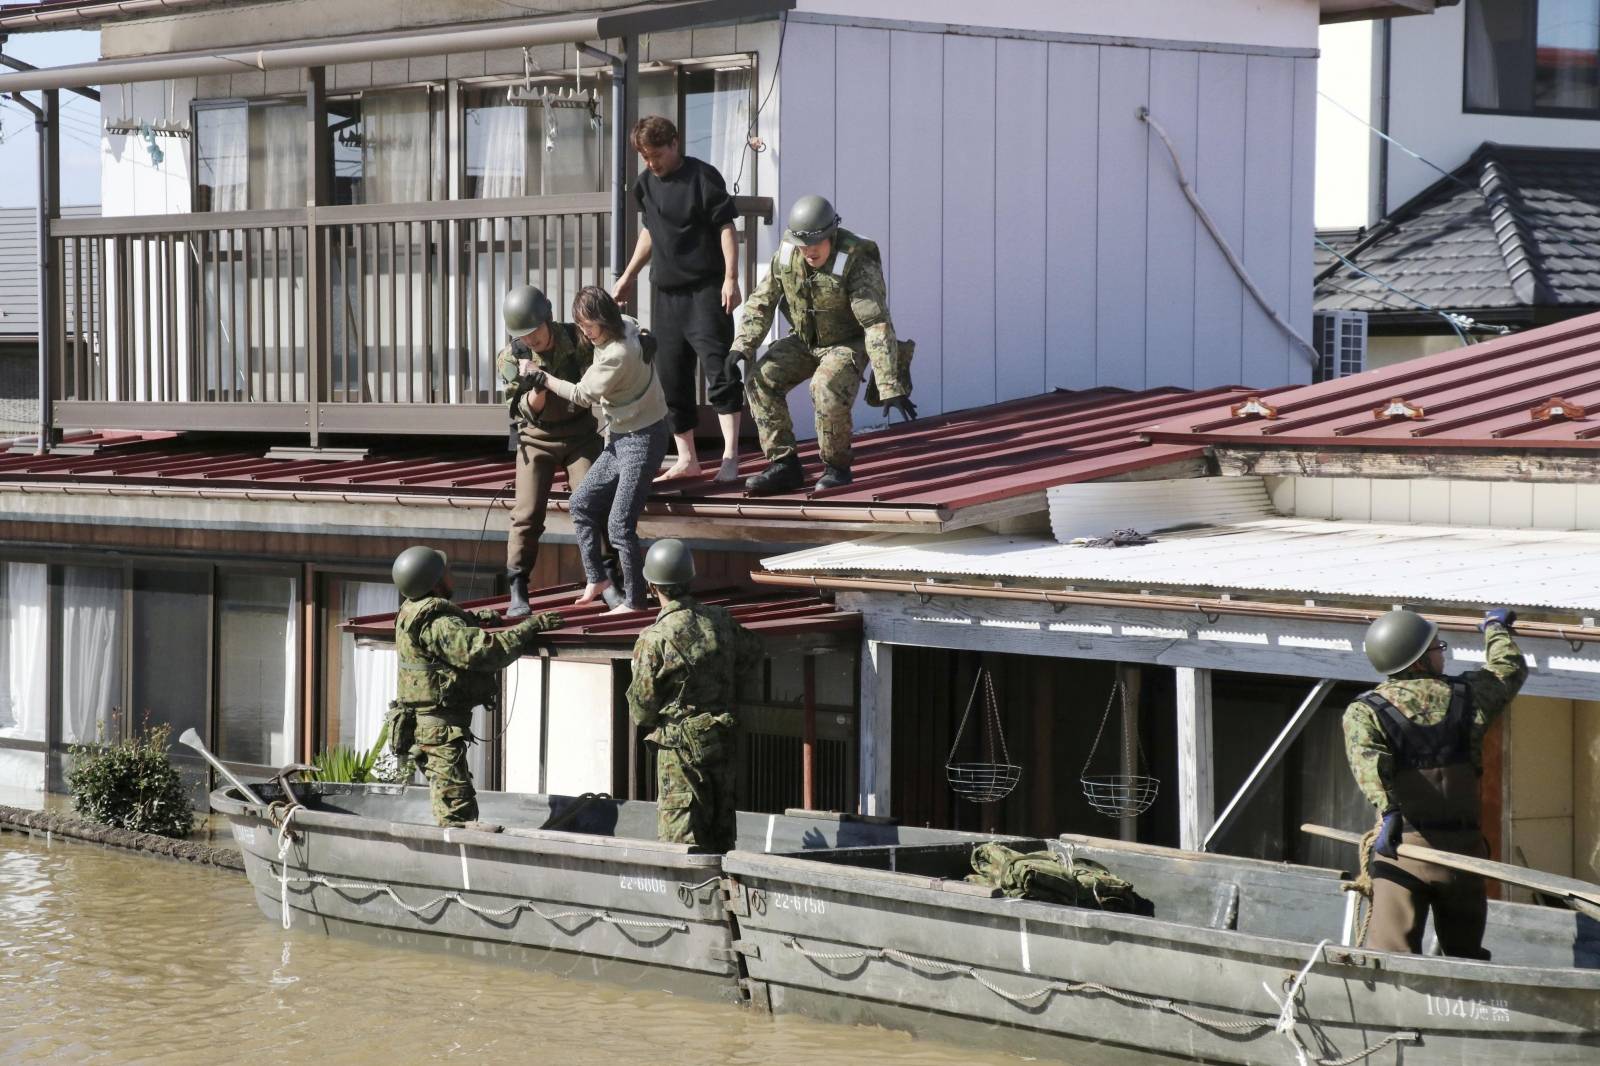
column 24, row 632
column 91, row 655
column 257, row 667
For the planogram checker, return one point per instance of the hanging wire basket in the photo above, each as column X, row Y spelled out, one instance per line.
column 1118, row 795
column 983, row 782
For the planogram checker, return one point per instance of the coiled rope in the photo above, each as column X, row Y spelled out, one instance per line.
column 1284, row 1023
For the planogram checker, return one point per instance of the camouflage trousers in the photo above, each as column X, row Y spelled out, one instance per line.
column 835, row 375
column 695, row 803
column 441, row 755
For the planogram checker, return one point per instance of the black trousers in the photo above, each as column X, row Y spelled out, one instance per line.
column 689, row 324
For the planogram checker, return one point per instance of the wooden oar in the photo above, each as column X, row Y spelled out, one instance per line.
column 1581, row 896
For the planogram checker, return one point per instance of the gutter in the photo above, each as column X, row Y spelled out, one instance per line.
column 412, row 44
column 922, row 516
column 1140, row 601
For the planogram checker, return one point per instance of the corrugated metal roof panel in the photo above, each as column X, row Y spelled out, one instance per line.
column 1354, row 560
column 937, row 466
column 19, row 267
column 1094, row 509
column 766, row 612
column 1489, row 395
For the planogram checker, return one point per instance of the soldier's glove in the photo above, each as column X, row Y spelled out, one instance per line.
column 545, row 621
column 1388, row 842
column 1504, row 616
column 533, row 382
column 487, row 615
column 735, row 356
column 903, row 404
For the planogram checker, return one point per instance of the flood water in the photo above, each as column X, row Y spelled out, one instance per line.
column 110, row 957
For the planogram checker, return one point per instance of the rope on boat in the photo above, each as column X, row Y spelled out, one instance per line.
column 1286, row 1012
column 1362, row 885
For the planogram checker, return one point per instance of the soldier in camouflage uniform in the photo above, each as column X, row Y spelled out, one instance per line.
column 448, row 665
column 1415, row 745
column 686, row 672
column 550, row 432
column 828, row 282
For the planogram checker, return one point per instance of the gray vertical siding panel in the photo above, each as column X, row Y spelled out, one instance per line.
column 1170, row 241
column 1072, row 156
column 1120, row 258
column 861, row 177
column 1303, row 190
column 1022, row 70
column 1268, row 149
column 968, row 227
column 915, row 252
column 806, row 156
column 1219, row 181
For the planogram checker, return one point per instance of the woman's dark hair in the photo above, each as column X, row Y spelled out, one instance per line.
column 594, row 304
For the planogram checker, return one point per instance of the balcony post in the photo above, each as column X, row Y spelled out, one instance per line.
column 318, row 176
column 46, row 122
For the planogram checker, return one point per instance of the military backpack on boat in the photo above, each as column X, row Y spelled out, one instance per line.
column 1044, row 876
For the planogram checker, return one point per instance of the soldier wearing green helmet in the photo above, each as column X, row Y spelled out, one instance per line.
column 687, row 670
column 550, row 433
column 449, row 664
column 1415, row 744
column 828, row 282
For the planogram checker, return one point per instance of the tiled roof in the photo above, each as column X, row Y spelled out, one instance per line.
column 766, row 612
column 924, row 472
column 1494, row 395
column 1514, row 228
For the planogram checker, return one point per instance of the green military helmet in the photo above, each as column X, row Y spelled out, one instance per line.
column 1398, row 640
column 669, row 562
column 525, row 310
column 812, row 220
column 417, row 570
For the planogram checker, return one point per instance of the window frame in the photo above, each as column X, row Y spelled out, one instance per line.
column 1581, row 114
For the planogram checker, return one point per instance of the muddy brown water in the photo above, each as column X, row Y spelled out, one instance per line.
column 109, row 957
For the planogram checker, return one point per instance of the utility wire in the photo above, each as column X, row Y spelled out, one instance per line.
column 1452, row 319
column 750, row 130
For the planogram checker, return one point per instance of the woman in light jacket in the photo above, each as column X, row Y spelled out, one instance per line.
column 625, row 390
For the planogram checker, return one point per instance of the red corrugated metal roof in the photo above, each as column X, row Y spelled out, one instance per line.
column 930, row 469
column 767, row 612
column 1490, row 395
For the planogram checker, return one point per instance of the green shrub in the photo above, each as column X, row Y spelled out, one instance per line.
column 344, row 764
column 131, row 785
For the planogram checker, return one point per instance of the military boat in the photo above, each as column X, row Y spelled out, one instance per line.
column 863, row 921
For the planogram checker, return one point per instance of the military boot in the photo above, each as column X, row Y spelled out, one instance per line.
column 834, row 476
column 519, row 596
column 783, row 475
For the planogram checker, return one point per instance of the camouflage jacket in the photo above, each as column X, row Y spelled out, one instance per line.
column 448, row 663
column 569, row 356
column 690, row 660
column 842, row 302
column 1425, row 699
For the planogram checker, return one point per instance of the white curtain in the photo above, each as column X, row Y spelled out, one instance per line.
column 223, row 155
column 91, row 651
column 370, row 671
column 277, row 156
column 23, row 629
column 283, row 740
column 504, row 135
column 396, row 168
column 730, row 121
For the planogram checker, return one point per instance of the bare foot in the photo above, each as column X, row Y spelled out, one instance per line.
column 592, row 591
column 679, row 469
column 623, row 608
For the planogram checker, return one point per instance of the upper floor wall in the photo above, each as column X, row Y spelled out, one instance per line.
column 1523, row 72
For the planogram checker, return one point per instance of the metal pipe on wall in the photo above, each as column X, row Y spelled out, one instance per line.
column 808, row 735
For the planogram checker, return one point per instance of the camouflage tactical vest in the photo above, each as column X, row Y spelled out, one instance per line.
column 426, row 684
column 1435, row 781
column 816, row 301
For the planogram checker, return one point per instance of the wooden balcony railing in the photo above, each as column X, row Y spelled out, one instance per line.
column 380, row 318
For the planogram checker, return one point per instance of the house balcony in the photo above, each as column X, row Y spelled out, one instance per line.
column 381, row 318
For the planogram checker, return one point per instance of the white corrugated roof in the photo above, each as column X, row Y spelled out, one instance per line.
column 1095, row 508
column 1358, row 560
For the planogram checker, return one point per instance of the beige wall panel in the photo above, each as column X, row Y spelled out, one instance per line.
column 1352, row 498
column 1541, row 760
column 1555, row 506
column 1511, row 504
column 1469, row 503
column 1430, row 502
column 1586, row 790
column 1391, row 500
column 1313, row 497
column 1281, row 491
column 1543, row 844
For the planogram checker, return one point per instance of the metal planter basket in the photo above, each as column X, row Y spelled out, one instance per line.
column 983, row 782
column 1120, row 795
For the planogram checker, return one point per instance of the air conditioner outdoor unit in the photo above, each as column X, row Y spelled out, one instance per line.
column 1341, row 338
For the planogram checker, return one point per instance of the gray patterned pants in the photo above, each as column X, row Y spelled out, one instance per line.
column 612, row 495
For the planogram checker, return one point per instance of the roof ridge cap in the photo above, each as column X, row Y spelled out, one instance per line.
column 1518, row 249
